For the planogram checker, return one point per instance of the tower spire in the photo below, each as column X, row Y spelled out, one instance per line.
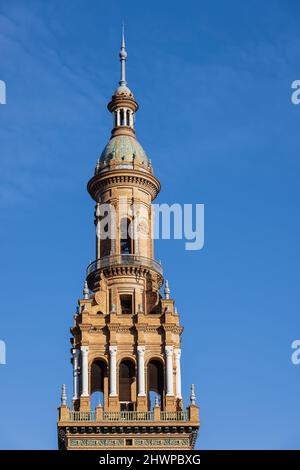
column 123, row 55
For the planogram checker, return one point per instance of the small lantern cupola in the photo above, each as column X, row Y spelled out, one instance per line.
column 123, row 106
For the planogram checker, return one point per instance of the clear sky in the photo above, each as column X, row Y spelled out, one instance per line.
column 213, row 80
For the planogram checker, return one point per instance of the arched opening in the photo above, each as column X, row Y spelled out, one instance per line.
column 98, row 375
column 128, row 117
column 105, row 244
column 126, row 381
column 122, row 117
column 106, row 232
column 155, row 382
column 126, row 241
column 126, row 304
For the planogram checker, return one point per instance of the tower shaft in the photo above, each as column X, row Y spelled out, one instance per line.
column 126, row 338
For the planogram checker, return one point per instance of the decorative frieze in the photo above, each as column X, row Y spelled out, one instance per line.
column 162, row 442
column 145, row 442
column 95, row 442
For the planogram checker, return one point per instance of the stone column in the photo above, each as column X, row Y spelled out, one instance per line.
column 135, row 235
column 141, row 371
column 178, row 373
column 76, row 354
column 98, row 234
column 113, row 371
column 118, row 117
column 85, row 371
column 169, row 370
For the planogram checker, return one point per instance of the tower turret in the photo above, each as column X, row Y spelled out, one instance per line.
column 126, row 338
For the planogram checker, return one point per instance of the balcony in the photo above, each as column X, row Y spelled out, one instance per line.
column 124, row 260
column 127, row 416
column 154, row 429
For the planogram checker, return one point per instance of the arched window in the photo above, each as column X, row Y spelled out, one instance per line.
column 105, row 244
column 126, row 379
column 98, row 376
column 107, row 232
column 126, row 242
column 155, row 373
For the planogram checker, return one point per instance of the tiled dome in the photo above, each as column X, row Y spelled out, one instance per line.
column 123, row 148
column 123, row 90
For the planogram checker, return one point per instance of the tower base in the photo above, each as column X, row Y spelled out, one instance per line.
column 152, row 436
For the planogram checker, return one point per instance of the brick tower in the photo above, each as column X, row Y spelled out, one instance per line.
column 126, row 337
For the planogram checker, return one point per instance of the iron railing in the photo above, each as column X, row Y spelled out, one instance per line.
column 124, row 260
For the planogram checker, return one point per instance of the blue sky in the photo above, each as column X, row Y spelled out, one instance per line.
column 213, row 80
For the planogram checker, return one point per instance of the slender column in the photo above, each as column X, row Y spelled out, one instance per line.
column 114, row 226
column 98, row 234
column 131, row 119
column 141, row 371
column 76, row 353
column 178, row 373
column 136, row 236
column 151, row 232
column 118, row 117
column 98, row 240
column 85, row 371
column 169, row 355
column 113, row 371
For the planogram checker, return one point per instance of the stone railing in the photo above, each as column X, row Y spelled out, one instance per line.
column 82, row 416
column 128, row 416
column 124, row 260
column 117, row 416
column 174, row 416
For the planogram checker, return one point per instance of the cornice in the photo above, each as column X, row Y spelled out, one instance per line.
column 136, row 271
column 123, row 177
column 173, row 328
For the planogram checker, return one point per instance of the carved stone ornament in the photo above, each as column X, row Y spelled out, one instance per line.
column 100, row 299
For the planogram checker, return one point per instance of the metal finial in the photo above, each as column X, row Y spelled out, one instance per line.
column 193, row 396
column 63, row 395
column 123, row 55
column 86, row 292
column 167, row 290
